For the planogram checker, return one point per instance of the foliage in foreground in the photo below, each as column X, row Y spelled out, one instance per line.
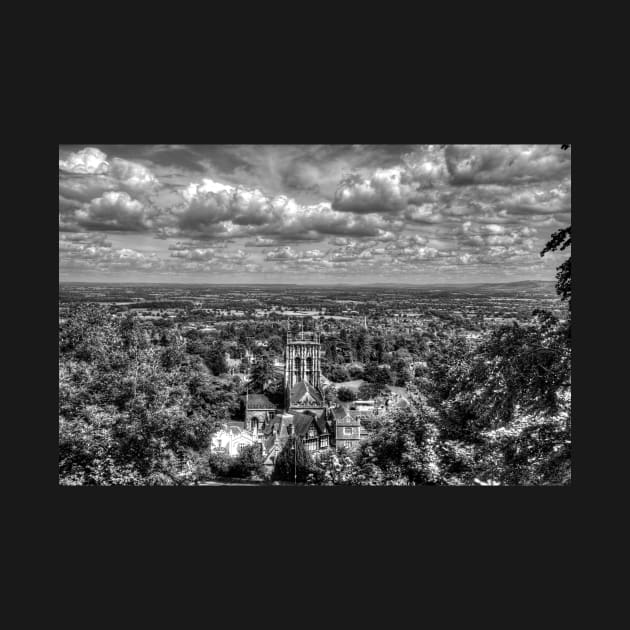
column 132, row 410
column 495, row 414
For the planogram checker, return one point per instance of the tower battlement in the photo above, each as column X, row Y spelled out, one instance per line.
column 303, row 337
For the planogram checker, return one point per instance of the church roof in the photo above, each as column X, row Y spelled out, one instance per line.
column 303, row 421
column 301, row 389
column 257, row 401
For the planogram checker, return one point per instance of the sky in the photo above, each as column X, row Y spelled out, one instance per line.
column 311, row 214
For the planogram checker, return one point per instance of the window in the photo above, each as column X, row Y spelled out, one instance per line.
column 323, row 442
column 347, row 430
column 311, row 446
column 311, row 433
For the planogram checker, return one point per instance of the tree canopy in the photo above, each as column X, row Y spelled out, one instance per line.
column 132, row 410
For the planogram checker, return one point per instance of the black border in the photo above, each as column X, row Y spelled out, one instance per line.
column 372, row 537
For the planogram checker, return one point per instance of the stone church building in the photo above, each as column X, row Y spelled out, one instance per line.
column 305, row 412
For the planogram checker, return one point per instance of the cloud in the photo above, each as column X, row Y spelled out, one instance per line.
column 86, row 161
column 215, row 210
column 88, row 171
column 383, row 192
column 68, row 240
column 282, row 253
column 381, row 209
column 261, row 241
column 113, row 211
column 131, row 176
column 288, row 254
column 185, row 251
column 506, row 164
column 94, row 255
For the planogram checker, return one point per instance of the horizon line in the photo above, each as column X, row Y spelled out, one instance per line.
column 366, row 284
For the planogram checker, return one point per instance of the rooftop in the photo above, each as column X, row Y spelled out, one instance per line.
column 303, row 388
column 257, row 401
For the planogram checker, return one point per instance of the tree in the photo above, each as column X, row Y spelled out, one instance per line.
column 130, row 411
column 263, row 375
column 333, row 468
column 275, row 345
column 560, row 240
column 377, row 374
column 293, row 460
column 363, row 347
column 338, row 374
column 504, row 407
column 355, row 372
column 368, row 391
column 249, row 463
column 345, row 394
column 219, row 464
column 404, row 452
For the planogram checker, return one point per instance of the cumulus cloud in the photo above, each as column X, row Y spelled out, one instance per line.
column 215, row 210
column 88, row 170
column 382, row 192
column 429, row 208
column 86, row 161
column 113, row 211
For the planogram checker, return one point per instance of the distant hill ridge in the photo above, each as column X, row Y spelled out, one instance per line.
column 520, row 284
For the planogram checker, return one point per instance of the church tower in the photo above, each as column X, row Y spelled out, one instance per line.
column 302, row 370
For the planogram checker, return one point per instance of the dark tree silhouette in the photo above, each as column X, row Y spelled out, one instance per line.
column 292, row 463
column 560, row 240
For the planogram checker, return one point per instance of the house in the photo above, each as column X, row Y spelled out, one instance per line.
column 231, row 439
column 314, row 431
column 346, row 428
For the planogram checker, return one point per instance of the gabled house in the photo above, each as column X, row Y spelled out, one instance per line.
column 346, row 428
column 314, row 431
column 231, row 438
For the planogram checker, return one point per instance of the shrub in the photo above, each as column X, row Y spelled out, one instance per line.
column 345, row 394
column 219, row 464
column 338, row 374
column 249, row 463
column 355, row 372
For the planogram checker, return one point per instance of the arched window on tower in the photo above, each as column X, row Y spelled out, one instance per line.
column 298, row 363
column 309, row 364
